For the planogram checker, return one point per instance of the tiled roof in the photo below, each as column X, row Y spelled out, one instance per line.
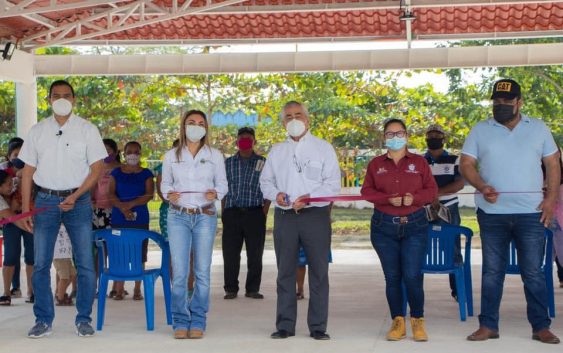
column 382, row 23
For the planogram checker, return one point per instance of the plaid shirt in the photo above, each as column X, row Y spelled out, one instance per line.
column 243, row 176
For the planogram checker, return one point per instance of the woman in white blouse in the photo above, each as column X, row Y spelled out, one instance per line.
column 193, row 178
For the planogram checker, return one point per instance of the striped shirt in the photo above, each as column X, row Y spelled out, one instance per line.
column 243, row 175
column 445, row 171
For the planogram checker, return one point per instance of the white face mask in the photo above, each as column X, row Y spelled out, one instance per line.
column 295, row 128
column 132, row 159
column 195, row 133
column 62, row 107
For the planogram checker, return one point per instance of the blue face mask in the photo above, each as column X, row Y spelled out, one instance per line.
column 396, row 143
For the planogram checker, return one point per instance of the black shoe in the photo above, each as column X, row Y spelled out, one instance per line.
column 254, row 295
column 320, row 335
column 281, row 334
column 230, row 295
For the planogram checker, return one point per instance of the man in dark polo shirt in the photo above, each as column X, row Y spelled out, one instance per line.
column 244, row 217
column 445, row 169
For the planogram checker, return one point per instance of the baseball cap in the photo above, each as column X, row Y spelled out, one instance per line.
column 246, row 130
column 506, row 88
column 437, row 128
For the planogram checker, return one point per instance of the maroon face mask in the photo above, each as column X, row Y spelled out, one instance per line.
column 245, row 143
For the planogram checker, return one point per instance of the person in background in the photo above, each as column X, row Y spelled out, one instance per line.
column 100, row 193
column 13, row 233
column 100, row 198
column 445, row 169
column 193, row 178
column 13, row 166
column 244, row 217
column 399, row 184
column 66, row 273
column 131, row 187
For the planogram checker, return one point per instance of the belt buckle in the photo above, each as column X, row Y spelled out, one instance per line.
column 400, row 220
column 191, row 210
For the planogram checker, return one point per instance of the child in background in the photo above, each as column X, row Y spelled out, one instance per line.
column 66, row 273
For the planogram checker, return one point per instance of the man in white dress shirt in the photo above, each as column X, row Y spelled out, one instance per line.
column 300, row 167
column 63, row 157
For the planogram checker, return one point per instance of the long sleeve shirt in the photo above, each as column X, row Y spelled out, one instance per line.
column 385, row 179
column 203, row 172
column 308, row 166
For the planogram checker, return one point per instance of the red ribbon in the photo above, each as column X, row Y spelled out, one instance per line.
column 367, row 197
column 22, row 215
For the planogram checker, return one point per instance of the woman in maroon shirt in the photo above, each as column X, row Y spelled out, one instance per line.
column 399, row 184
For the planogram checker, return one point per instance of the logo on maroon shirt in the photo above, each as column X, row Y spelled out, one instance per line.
column 382, row 170
column 412, row 169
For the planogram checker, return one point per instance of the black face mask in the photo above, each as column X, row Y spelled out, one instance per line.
column 503, row 113
column 435, row 143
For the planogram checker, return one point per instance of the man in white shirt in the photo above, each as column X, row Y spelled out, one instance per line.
column 63, row 157
column 300, row 167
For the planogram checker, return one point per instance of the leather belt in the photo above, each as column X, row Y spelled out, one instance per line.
column 59, row 193
column 208, row 210
column 413, row 217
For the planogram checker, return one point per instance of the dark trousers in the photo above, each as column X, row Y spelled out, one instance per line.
column 246, row 226
column 310, row 228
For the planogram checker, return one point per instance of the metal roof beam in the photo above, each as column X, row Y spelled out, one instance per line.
column 22, row 8
column 116, row 22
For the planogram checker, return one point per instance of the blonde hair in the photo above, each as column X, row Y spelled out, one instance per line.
column 183, row 139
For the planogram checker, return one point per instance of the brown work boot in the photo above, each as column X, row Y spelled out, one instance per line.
column 398, row 329
column 483, row 334
column 418, row 329
column 545, row 336
column 180, row 334
column 195, row 333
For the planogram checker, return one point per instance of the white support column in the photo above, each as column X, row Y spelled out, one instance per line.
column 26, row 107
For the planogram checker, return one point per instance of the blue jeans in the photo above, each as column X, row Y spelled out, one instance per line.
column 187, row 234
column 78, row 223
column 401, row 249
column 497, row 231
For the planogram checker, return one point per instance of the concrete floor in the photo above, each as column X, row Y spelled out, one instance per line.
column 358, row 319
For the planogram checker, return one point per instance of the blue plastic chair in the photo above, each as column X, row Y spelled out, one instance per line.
column 123, row 250
column 514, row 269
column 440, row 259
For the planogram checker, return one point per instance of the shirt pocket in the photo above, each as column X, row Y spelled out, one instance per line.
column 313, row 170
column 77, row 150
